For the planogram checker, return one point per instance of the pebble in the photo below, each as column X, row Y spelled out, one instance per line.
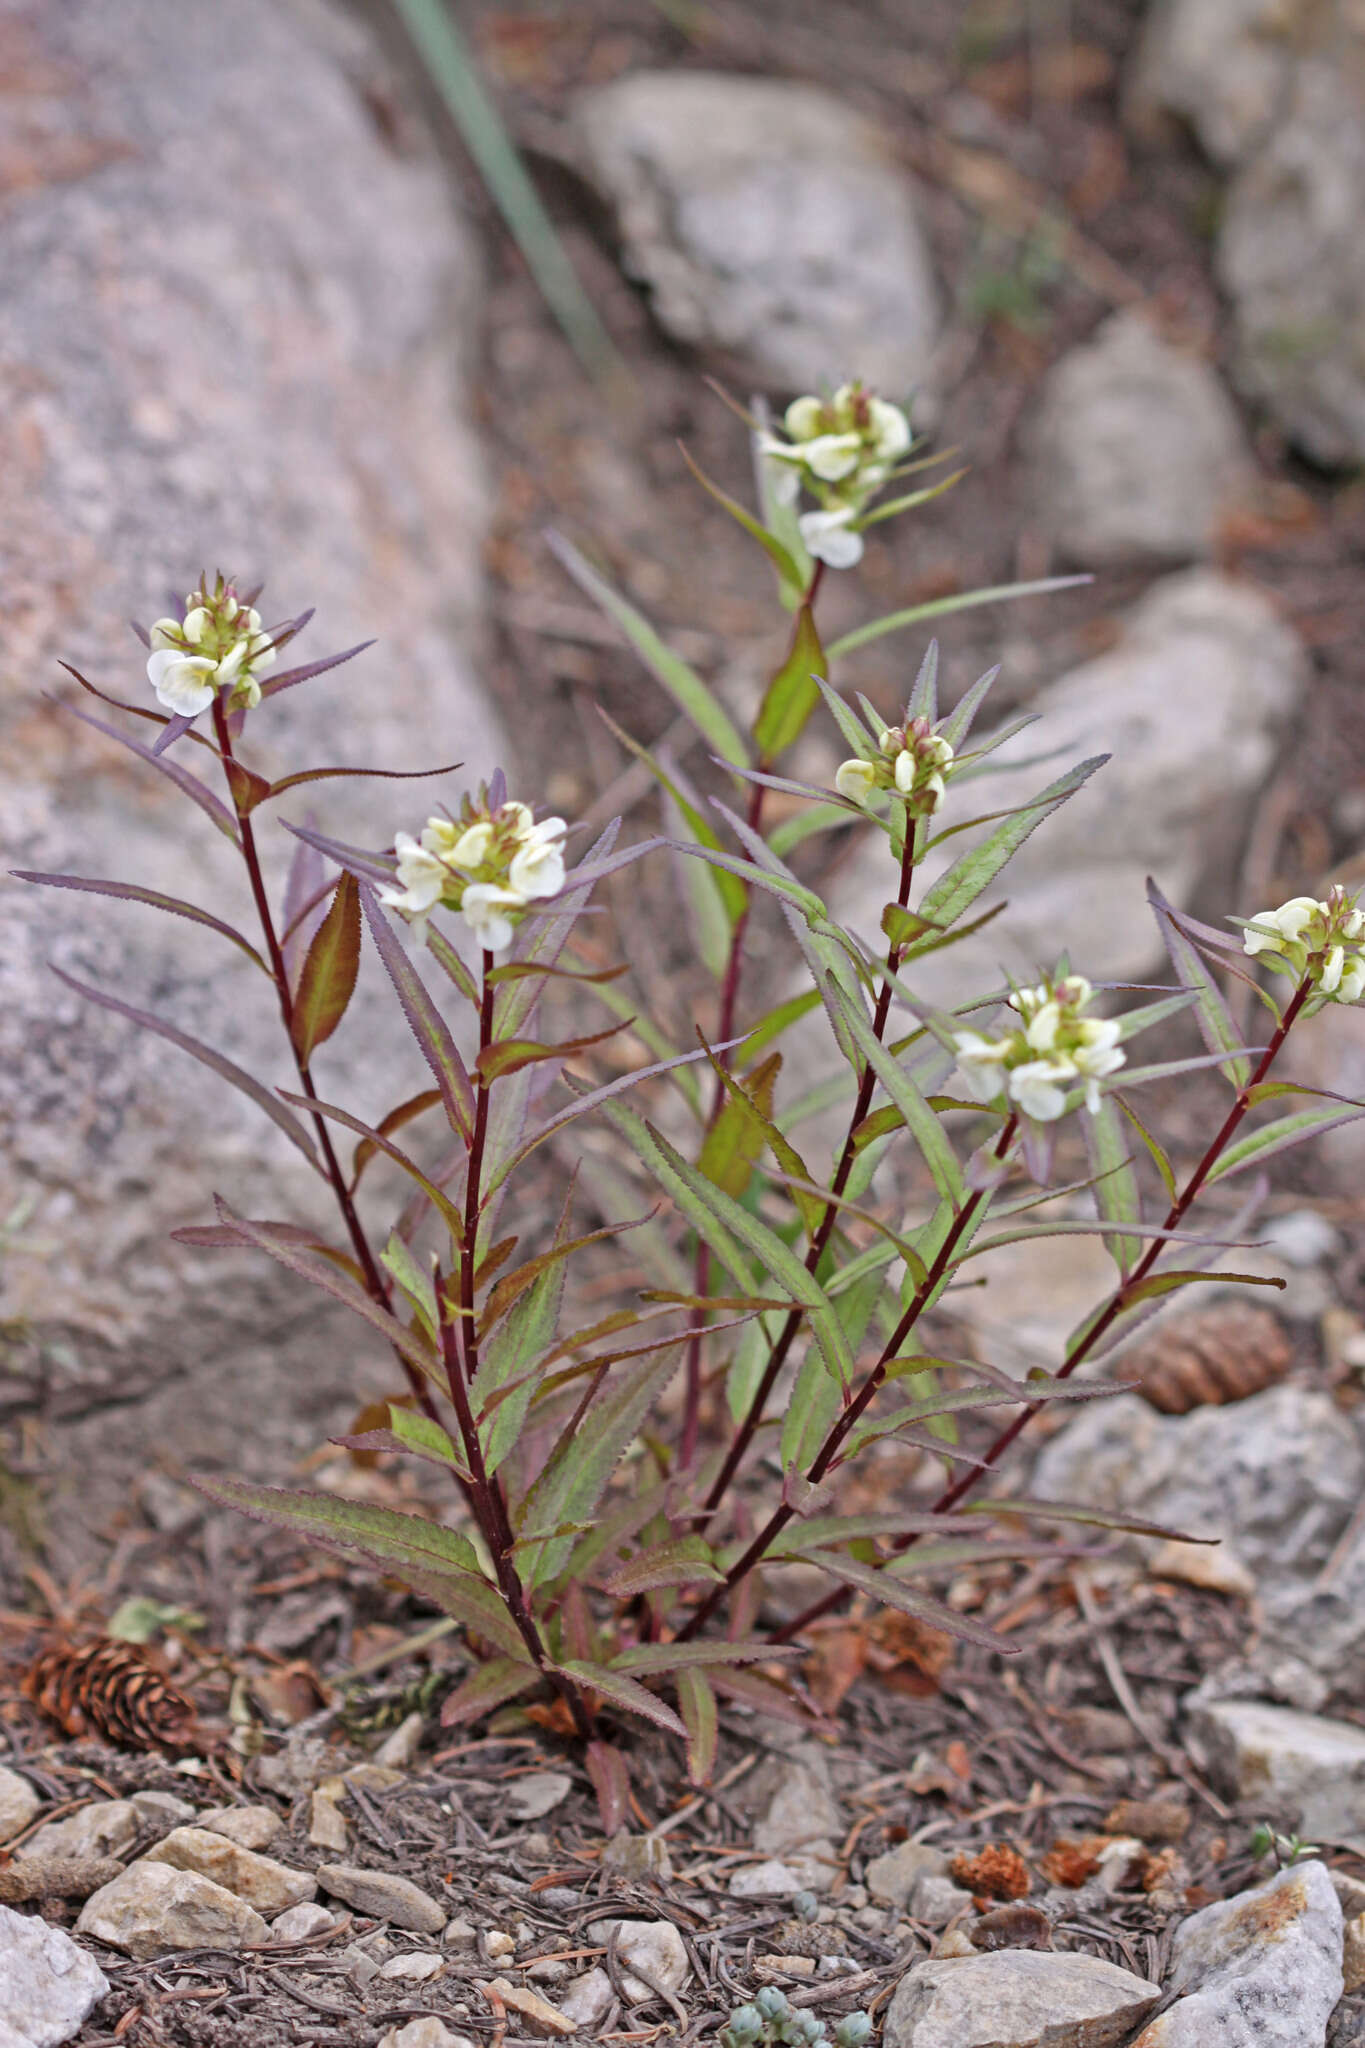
column 1262, row 1970
column 779, row 1877
column 497, row 1945
column 18, row 1803
column 1017, row 1998
column 1303, row 1770
column 892, row 1877
column 460, row 1933
column 154, row 1909
column 538, row 1793
column 936, row 1900
column 108, row 1828
column 535, row 2010
column 49, row 1985
column 361, row 1967
column 654, row 1946
column 251, row 1827
column 163, row 1811
column 588, row 2000
column 427, row 2032
column 1353, row 1954
column 416, row 1966
column 326, row 1822
column 269, row 1886
column 639, row 1856
column 296, row 1768
column 383, row 1896
column 302, row 1922
column 802, row 1814
column 398, row 1750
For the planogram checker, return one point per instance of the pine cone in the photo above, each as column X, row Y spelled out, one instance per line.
column 112, row 1689
column 1209, row 1357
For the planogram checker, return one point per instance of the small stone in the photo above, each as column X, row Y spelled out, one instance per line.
column 417, row 1965
column 427, row 2032
column 1301, row 1770
column 326, row 1822
column 639, row 1856
column 373, row 1777
column 1017, row 1998
column 265, row 1884
column 361, row 1967
column 786, row 1966
column 297, row 1767
column 538, row 1793
column 801, row 1814
column 398, row 1750
column 18, row 1803
column 251, row 1827
column 1353, row 1954
column 107, row 1828
column 936, row 1900
column 1214, row 1567
column 548, row 1970
column 302, row 1922
column 588, row 2000
column 892, row 1877
column 154, row 1909
column 1262, row 1969
column 383, row 1896
column 497, row 1945
column 652, row 1946
column 1351, row 1892
column 162, row 1811
column 1156, row 1821
column 460, row 1934
column 955, row 1944
column 48, row 1984
column 538, row 2013
column 779, row 1878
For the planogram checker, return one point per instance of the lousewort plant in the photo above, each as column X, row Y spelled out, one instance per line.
column 605, row 1544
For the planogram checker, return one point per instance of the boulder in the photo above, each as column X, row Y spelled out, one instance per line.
column 1017, row 1998
column 770, row 222
column 153, row 1910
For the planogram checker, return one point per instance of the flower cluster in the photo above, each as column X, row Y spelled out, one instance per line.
column 1321, row 940
column 843, row 450
column 913, row 760
column 489, row 864
column 218, row 645
column 1052, row 1048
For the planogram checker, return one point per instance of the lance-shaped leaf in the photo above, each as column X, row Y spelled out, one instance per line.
column 723, row 897
column 622, row 1692
column 777, row 1021
column 789, row 575
column 530, row 1301
column 492, row 1685
column 697, row 1705
column 413, row 1433
column 812, row 1405
column 378, row 1141
column 658, row 1659
column 1145, row 1296
column 541, row 941
column 328, row 976
column 509, row 1055
column 947, row 899
column 924, row 1127
column 1279, row 1136
column 368, row 1148
column 960, row 720
column 610, row 1776
column 305, row 890
column 213, row 807
column 1216, row 1027
column 313, row 1266
column 132, row 892
column 958, row 1400
column 414, row 1284
column 1070, row 1511
column 940, row 607
column 682, row 1561
column 205, row 1054
column 428, row 1026
column 1116, row 1185
column 289, row 677
column 356, row 860
column 793, row 693
column 884, row 1586
column 356, row 1529
column 734, row 1144
column 381, row 774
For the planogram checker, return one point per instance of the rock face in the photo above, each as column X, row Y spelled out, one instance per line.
column 770, row 222
column 1301, row 1770
column 47, row 1983
column 230, row 335
column 1137, row 450
column 153, row 1910
column 1021, row 1997
column 1262, row 1970
column 1171, row 802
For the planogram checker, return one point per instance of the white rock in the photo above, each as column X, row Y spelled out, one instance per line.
column 538, row 1793
column 162, row 1811
column 47, row 1984
column 109, row 1827
column 1137, row 451
column 383, row 1896
column 498, row 1945
column 18, row 1803
column 769, row 220
column 1017, row 1998
column 251, row 1827
column 1302, row 1770
column 1262, row 1970
column 1221, row 65
column 399, row 1748
column 153, row 1909
column 936, row 1900
column 1293, row 266
column 654, row 1946
column 1214, row 1566
column 638, row 1856
column 892, row 1877
column 427, row 2032
column 326, row 1822
column 1302, row 1236
column 302, row 1922
column 588, row 2000
column 417, row 1966
column 779, row 1877
column 460, row 1933
column 269, row 1886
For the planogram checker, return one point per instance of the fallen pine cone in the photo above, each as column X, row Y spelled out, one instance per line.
column 1209, row 1357
column 996, row 1872
column 112, row 1689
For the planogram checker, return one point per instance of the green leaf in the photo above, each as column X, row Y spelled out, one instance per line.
column 622, row 1692
column 1279, row 1136
column 697, row 1703
column 499, row 1680
column 736, row 1138
column 530, row 1302
column 923, row 1125
column 1157, row 1154
column 962, row 717
column 1068, row 1511
column 733, row 894
column 812, row 1406
column 793, row 693
column 939, row 607
column 789, row 576
column 1116, row 1183
column 510, row 1055
column 415, row 1284
column 711, row 1656
column 682, row 683
column 1216, row 1027
column 851, row 731
column 955, row 892
column 416, row 1105
column 381, row 1536
column 892, row 506
column 891, row 1591
column 683, row 1561
column 610, row 1775
column 789, row 833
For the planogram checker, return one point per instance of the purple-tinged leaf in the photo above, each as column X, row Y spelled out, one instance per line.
column 380, row 1535
column 143, row 635
column 492, row 1685
column 132, row 892
column 1279, row 1136
column 119, row 703
column 683, row 1561
column 751, row 1689
column 305, row 889
column 385, row 774
column 1216, row 1027
column 173, row 730
column 428, row 1026
column 610, row 1776
column 228, row 1070
column 378, row 1140
column 213, row 807
column 1068, row 1511
column 880, row 1585
column 449, row 961
column 290, row 676
column 357, row 860
column 415, row 1106
column 328, row 976
column 663, row 1658
column 622, row 1692
column 248, row 788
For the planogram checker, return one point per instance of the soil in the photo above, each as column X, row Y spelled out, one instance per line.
column 977, row 1754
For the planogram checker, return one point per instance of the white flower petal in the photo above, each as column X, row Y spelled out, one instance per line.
column 184, row 683
column 855, row 780
column 832, row 457
column 484, row 908
column 827, row 537
column 890, row 429
column 803, row 418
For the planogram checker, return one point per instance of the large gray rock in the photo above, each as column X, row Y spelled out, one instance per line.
column 1301, row 1770
column 1017, row 1998
column 1262, row 1970
column 47, row 1984
column 231, row 334
column 1137, row 450
column 1291, row 260
column 269, row 1886
column 152, row 1910
column 769, row 221
column 1223, row 66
